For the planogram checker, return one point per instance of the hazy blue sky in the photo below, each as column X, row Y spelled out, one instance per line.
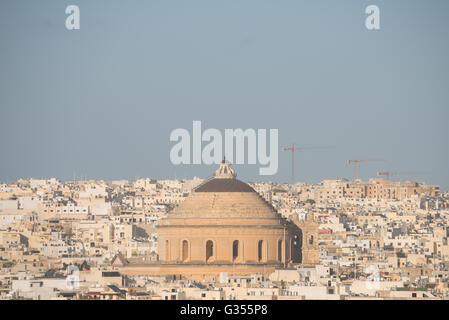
column 101, row 102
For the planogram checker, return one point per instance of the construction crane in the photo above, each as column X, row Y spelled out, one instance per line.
column 356, row 162
column 293, row 149
column 389, row 174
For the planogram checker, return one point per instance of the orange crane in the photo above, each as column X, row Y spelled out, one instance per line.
column 293, row 149
column 389, row 174
column 356, row 162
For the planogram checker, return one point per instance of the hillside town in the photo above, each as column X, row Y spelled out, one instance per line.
column 376, row 239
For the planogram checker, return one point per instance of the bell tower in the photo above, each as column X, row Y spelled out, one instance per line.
column 309, row 250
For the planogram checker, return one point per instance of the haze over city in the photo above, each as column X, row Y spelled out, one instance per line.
column 100, row 102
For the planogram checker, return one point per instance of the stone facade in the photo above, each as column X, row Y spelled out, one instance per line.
column 226, row 221
column 223, row 226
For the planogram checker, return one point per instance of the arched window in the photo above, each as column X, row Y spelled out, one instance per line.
column 185, row 250
column 167, row 250
column 235, row 250
column 209, row 250
column 280, row 250
column 260, row 249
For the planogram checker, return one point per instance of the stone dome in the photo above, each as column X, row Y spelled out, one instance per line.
column 225, row 221
column 224, row 197
column 224, row 185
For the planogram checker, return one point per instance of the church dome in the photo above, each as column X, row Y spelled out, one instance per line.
column 225, row 197
column 224, row 185
column 224, row 181
column 225, row 221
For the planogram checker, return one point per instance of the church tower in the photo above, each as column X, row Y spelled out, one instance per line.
column 310, row 249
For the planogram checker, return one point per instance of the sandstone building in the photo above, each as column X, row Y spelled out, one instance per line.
column 224, row 226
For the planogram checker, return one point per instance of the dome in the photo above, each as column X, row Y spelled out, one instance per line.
column 225, row 221
column 224, row 185
column 224, row 181
column 224, row 197
column 219, row 207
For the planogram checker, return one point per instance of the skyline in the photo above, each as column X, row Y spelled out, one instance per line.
column 101, row 101
column 386, row 176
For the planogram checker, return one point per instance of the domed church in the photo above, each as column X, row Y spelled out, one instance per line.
column 225, row 226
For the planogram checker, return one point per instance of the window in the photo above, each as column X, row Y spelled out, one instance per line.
column 260, row 251
column 280, row 250
column 235, row 250
column 185, row 250
column 167, row 250
column 311, row 240
column 209, row 250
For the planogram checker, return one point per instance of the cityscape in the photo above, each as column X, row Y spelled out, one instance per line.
column 224, row 158
column 194, row 239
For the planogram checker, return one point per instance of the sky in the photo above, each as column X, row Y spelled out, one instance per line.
column 101, row 102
